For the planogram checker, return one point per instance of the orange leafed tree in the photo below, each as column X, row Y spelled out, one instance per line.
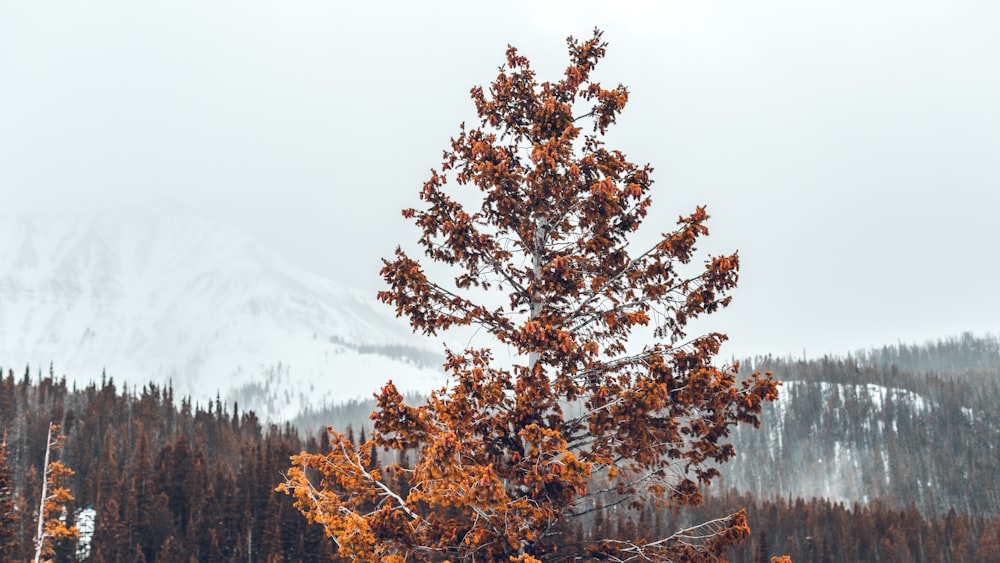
column 507, row 460
column 55, row 496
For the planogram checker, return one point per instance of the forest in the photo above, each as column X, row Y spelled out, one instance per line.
column 907, row 424
column 170, row 480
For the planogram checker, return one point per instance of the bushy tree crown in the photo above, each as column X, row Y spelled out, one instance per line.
column 507, row 459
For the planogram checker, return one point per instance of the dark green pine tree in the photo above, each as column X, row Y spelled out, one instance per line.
column 214, row 551
column 8, row 512
column 197, row 488
column 316, row 546
column 255, row 492
column 988, row 546
column 110, row 543
column 154, row 521
column 763, row 554
column 140, row 557
column 172, row 550
column 174, row 465
column 270, row 544
column 222, row 514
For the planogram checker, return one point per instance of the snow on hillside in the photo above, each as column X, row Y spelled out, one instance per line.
column 858, row 441
column 165, row 295
column 838, row 463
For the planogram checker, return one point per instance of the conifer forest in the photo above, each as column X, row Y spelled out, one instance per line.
column 169, row 480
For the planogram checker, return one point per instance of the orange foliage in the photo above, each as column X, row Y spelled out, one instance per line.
column 508, row 458
column 53, row 504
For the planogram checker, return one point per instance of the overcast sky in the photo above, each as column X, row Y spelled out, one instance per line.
column 849, row 149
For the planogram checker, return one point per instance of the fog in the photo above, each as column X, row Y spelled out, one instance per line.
column 849, row 150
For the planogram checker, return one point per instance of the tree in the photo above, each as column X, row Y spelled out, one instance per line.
column 55, row 496
column 988, row 546
column 8, row 511
column 507, row 459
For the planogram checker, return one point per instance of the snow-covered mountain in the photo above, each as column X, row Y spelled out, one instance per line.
column 165, row 295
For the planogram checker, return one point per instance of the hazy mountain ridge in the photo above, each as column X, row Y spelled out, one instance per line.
column 165, row 295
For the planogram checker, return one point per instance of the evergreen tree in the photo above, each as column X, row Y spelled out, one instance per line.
column 110, row 543
column 988, row 546
column 8, row 513
column 172, row 550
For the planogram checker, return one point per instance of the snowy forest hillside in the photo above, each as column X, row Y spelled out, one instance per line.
column 906, row 424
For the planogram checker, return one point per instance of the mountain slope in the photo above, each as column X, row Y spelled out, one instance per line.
column 863, row 427
column 165, row 295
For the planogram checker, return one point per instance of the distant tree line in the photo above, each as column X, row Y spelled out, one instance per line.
column 418, row 357
column 821, row 531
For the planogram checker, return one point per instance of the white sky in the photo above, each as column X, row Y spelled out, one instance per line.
column 849, row 149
